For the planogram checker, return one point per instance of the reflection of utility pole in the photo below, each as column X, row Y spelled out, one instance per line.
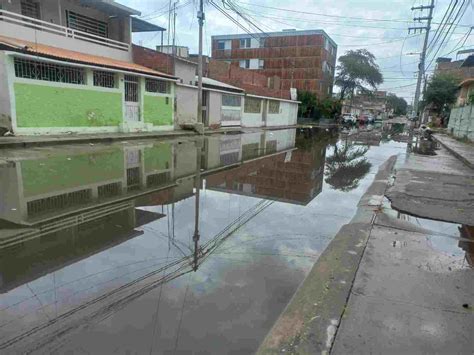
column 201, row 18
column 197, row 186
column 421, row 65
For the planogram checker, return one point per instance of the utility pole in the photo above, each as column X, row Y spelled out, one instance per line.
column 173, row 51
column 201, row 18
column 421, row 65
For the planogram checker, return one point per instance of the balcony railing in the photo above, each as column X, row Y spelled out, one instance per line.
column 40, row 25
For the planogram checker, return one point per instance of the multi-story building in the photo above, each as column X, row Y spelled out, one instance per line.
column 66, row 66
column 304, row 60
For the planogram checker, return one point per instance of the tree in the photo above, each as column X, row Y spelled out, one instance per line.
column 346, row 166
column 312, row 107
column 398, row 104
column 357, row 70
column 441, row 92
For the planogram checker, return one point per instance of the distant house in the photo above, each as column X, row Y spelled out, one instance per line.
column 66, row 66
column 461, row 119
column 374, row 104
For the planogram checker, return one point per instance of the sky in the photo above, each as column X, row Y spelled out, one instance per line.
column 381, row 26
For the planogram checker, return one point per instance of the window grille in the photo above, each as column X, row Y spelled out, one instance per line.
column 250, row 151
column 131, row 88
column 86, row 24
column 273, row 106
column 58, row 202
column 161, row 86
column 229, row 158
column 159, row 179
column 252, row 105
column 220, row 44
column 231, row 100
column 271, row 147
column 31, row 69
column 104, row 79
column 109, row 190
column 30, row 8
column 133, row 178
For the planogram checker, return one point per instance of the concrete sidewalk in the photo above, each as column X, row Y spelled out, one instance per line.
column 462, row 151
column 381, row 286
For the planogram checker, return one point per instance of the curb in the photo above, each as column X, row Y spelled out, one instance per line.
column 309, row 323
column 454, row 153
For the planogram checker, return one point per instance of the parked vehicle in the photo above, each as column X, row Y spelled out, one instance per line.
column 362, row 119
column 370, row 119
column 349, row 118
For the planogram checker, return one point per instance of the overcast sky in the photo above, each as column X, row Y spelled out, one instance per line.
column 382, row 29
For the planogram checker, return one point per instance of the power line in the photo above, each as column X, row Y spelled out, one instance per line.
column 326, row 15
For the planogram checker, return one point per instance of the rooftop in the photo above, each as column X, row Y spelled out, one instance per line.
column 73, row 56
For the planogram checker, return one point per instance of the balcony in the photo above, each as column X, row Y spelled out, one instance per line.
column 63, row 31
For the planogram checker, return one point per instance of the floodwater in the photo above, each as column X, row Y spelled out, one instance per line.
column 171, row 247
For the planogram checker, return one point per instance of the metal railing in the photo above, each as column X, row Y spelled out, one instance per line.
column 41, row 25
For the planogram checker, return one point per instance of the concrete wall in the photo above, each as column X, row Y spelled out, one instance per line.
column 286, row 117
column 186, row 105
column 5, row 106
column 253, row 119
column 214, row 108
column 185, row 71
column 119, row 29
column 461, row 122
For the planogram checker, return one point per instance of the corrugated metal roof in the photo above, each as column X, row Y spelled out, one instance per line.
column 76, row 57
column 212, row 82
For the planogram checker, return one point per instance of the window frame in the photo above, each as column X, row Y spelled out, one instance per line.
column 249, row 101
column 272, row 109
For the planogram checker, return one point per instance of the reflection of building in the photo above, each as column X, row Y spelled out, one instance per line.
column 294, row 176
column 374, row 104
column 70, row 244
column 70, row 188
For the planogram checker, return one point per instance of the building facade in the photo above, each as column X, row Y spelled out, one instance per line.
column 304, row 60
column 66, row 67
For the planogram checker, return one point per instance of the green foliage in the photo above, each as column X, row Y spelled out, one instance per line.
column 357, row 71
column 314, row 108
column 441, row 92
column 346, row 166
column 470, row 98
column 398, row 104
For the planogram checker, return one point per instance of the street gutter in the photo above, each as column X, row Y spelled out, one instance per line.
column 310, row 322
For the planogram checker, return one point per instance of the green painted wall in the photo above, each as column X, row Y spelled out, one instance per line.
column 156, row 111
column 48, row 106
column 58, row 173
column 158, row 158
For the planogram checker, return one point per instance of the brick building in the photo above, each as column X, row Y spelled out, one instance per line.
column 304, row 60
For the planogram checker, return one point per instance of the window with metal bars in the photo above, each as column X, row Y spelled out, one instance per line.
column 160, row 86
column 30, row 8
column 32, row 69
column 159, row 179
column 58, row 202
column 273, row 106
column 252, row 105
column 104, row 79
column 87, row 24
column 109, row 190
column 231, row 100
column 131, row 88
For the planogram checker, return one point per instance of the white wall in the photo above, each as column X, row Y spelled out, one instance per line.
column 214, row 108
column 185, row 71
column 186, row 105
column 5, row 106
column 252, row 119
column 286, row 117
column 285, row 138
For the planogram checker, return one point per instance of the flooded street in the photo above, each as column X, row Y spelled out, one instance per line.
column 110, row 249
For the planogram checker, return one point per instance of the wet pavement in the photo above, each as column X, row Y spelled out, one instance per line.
column 182, row 246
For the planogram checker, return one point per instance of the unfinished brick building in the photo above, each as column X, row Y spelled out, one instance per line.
column 304, row 60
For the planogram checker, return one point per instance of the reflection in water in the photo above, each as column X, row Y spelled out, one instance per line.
column 86, row 231
column 346, row 166
column 467, row 233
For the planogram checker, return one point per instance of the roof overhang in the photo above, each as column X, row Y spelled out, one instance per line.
column 139, row 25
column 110, row 6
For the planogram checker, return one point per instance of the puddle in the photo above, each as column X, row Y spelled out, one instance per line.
column 111, row 247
